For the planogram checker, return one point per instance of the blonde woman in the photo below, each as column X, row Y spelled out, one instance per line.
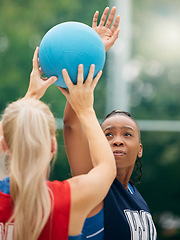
column 32, row 207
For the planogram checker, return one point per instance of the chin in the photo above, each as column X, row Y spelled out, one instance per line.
column 122, row 164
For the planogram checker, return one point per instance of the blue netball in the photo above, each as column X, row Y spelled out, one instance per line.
column 67, row 45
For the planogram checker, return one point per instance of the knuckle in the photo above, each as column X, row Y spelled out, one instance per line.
column 31, row 74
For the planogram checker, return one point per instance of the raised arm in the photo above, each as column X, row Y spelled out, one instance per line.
column 76, row 144
column 88, row 190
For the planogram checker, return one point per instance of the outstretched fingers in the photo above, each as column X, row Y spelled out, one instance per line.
column 80, row 78
column 95, row 19
column 67, row 79
column 90, row 81
column 49, row 81
column 114, row 37
column 35, row 60
column 115, row 24
column 104, row 16
column 111, row 17
column 96, row 79
column 89, row 78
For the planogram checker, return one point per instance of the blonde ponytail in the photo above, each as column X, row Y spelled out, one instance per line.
column 28, row 128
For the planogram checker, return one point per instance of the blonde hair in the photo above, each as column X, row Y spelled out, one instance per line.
column 28, row 127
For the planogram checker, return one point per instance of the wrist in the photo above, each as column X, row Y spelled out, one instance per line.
column 30, row 94
column 88, row 112
column 87, row 117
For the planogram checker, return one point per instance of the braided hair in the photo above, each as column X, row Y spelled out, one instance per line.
column 137, row 172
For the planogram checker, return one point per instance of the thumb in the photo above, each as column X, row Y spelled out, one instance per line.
column 114, row 37
column 51, row 80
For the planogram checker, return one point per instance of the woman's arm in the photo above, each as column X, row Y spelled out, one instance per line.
column 75, row 140
column 89, row 190
column 76, row 144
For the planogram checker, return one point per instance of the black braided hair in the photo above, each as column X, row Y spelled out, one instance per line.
column 117, row 112
column 137, row 172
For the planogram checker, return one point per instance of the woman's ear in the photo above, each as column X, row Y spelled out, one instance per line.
column 140, row 151
column 53, row 145
column 3, row 145
column 1, row 149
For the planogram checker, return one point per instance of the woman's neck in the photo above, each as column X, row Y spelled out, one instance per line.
column 123, row 175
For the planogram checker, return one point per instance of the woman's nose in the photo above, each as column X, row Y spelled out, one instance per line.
column 118, row 142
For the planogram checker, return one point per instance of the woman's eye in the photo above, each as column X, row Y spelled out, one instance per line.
column 128, row 134
column 108, row 134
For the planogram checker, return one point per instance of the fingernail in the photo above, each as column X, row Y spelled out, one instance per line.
column 81, row 67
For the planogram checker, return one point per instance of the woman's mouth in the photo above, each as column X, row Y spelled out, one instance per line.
column 119, row 153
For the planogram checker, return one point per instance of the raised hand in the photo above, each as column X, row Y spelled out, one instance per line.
column 38, row 85
column 108, row 33
column 81, row 96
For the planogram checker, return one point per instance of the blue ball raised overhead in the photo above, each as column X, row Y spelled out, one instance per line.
column 67, row 45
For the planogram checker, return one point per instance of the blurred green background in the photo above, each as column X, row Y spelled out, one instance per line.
column 154, row 70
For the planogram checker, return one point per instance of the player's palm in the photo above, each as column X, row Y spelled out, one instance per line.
column 108, row 33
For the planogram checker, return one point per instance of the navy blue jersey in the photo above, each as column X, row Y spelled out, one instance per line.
column 78, row 237
column 126, row 215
